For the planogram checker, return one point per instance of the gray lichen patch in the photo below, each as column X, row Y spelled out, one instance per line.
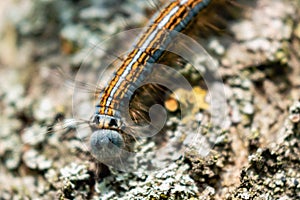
column 210, row 172
column 274, row 173
column 74, row 181
column 173, row 182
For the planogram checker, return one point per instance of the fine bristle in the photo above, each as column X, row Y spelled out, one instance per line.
column 144, row 98
column 214, row 19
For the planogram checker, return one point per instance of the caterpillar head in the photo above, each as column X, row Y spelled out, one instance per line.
column 106, row 144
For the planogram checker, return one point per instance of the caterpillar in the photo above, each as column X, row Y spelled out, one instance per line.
column 112, row 127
